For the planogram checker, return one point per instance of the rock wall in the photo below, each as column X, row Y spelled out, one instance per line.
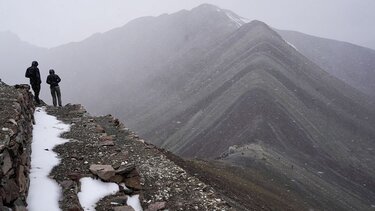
column 16, row 124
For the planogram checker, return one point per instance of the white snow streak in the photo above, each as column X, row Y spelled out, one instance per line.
column 44, row 193
column 245, row 20
column 292, row 45
column 235, row 19
column 94, row 190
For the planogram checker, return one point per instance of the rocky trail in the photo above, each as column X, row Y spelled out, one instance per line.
column 101, row 147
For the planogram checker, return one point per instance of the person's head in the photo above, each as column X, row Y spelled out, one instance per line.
column 34, row 64
column 51, row 72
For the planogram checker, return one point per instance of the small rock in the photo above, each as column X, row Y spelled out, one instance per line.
column 123, row 208
column 19, row 205
column 116, row 179
column 116, row 122
column 75, row 208
column 106, row 138
column 12, row 121
column 107, row 143
column 2, row 208
column 133, row 173
column 21, row 179
column 156, row 206
column 67, row 184
column 7, row 162
column 120, row 200
column 116, row 165
column 133, row 183
column 124, row 169
column 128, row 191
column 105, row 172
column 17, row 106
column 99, row 129
column 75, row 176
column 11, row 191
column 141, row 140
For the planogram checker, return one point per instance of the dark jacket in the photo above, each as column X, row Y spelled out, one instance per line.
column 34, row 75
column 53, row 80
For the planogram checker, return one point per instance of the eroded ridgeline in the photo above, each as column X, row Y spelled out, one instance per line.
column 16, row 123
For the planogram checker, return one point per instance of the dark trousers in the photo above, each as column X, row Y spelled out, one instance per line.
column 36, row 89
column 55, row 92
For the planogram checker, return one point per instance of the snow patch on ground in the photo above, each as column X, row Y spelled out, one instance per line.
column 134, row 202
column 93, row 190
column 44, row 193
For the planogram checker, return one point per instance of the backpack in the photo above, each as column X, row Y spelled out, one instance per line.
column 29, row 73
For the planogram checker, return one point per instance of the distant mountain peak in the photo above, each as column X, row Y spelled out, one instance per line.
column 238, row 20
column 209, row 9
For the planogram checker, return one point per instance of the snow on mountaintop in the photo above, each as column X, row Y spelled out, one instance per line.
column 236, row 19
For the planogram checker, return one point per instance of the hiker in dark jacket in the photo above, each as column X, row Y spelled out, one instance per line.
column 53, row 80
column 35, row 81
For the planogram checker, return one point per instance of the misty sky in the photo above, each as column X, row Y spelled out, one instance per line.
column 50, row 23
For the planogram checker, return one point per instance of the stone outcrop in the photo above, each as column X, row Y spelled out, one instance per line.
column 16, row 123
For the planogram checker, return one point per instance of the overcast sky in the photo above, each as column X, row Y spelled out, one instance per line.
column 50, row 23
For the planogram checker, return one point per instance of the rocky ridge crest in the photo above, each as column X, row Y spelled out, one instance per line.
column 99, row 147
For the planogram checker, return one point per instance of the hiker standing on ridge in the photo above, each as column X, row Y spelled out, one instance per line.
column 35, row 81
column 53, row 80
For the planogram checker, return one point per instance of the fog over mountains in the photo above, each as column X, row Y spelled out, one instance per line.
column 204, row 83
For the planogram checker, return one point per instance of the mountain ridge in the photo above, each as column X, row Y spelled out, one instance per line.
column 209, row 88
column 351, row 63
column 314, row 105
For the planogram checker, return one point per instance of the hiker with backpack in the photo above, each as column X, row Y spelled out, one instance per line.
column 34, row 75
column 53, row 80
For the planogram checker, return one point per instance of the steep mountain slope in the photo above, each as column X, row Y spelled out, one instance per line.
column 351, row 63
column 202, row 83
column 120, row 64
column 258, row 98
